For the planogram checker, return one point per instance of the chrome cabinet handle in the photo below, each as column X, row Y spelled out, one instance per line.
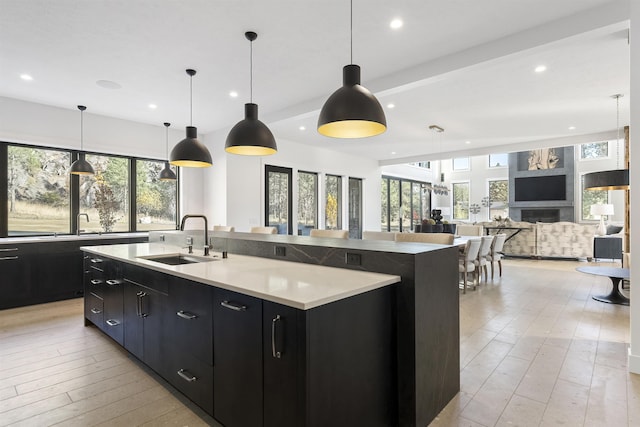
column 140, row 296
column 96, row 260
column 233, row 306
column 8, row 249
column 8, row 258
column 112, row 322
column 96, row 311
column 113, row 282
column 96, row 281
column 185, row 375
column 274, row 352
column 186, row 315
column 139, row 304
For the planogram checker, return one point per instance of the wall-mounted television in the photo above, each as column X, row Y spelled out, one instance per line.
column 541, row 188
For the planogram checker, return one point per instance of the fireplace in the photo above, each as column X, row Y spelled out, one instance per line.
column 540, row 215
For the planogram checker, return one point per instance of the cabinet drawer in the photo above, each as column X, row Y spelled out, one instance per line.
column 192, row 377
column 191, row 318
column 94, row 309
column 147, row 278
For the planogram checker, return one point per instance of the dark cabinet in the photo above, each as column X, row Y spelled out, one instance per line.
column 607, row 247
column 15, row 275
column 237, row 343
column 145, row 313
column 104, row 289
column 58, row 271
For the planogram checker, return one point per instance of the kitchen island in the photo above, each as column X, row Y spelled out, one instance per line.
column 252, row 341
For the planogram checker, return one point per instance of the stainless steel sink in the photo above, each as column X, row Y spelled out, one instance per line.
column 177, row 259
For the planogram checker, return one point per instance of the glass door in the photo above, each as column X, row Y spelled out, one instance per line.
column 278, row 196
column 355, row 208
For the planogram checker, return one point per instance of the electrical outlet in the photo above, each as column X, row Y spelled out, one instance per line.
column 189, row 240
column 280, row 250
column 353, row 259
column 162, row 237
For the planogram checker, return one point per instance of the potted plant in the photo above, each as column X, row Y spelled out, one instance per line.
column 427, row 225
column 448, row 228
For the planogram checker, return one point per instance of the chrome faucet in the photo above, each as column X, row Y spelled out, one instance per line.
column 78, row 222
column 206, row 232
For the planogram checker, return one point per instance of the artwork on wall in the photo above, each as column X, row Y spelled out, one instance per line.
column 544, row 158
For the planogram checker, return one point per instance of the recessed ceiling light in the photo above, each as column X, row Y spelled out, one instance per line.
column 393, row 152
column 396, row 23
column 391, row 105
column 467, row 142
column 26, row 77
column 108, row 84
column 302, row 128
column 233, row 94
column 572, row 127
column 153, row 106
column 540, row 68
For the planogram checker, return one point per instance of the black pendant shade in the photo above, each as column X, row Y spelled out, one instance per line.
column 250, row 136
column 617, row 179
column 81, row 166
column 167, row 174
column 190, row 152
column 351, row 111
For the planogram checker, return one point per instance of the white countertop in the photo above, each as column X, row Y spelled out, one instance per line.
column 298, row 285
column 70, row 237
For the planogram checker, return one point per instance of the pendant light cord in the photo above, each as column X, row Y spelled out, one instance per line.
column 191, row 100
column 251, row 71
column 617, row 131
column 351, row 29
column 81, row 131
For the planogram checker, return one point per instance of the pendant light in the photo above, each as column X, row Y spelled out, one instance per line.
column 617, row 179
column 251, row 137
column 351, row 111
column 190, row 152
column 81, row 166
column 167, row 174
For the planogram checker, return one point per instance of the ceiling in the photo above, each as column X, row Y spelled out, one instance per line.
column 464, row 65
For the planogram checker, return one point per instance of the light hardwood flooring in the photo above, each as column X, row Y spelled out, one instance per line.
column 536, row 350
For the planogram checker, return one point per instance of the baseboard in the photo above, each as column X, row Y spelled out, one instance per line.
column 634, row 363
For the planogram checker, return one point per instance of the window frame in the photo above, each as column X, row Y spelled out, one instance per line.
column 453, row 210
column 590, row 159
column 453, row 164
column 386, row 180
column 498, row 165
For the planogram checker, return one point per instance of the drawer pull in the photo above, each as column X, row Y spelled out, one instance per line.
column 8, row 258
column 186, row 315
column 96, row 281
column 185, row 375
column 233, row 306
column 276, row 354
column 96, row 260
column 113, row 282
column 112, row 322
column 8, row 249
column 96, row 311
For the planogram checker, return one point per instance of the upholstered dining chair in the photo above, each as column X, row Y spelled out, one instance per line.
column 469, row 230
column 439, row 238
column 481, row 261
column 495, row 255
column 378, row 235
column 335, row 234
column 264, row 230
column 229, row 228
column 466, row 262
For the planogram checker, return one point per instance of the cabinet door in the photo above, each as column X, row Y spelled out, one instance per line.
column 154, row 315
column 113, row 301
column 133, row 321
column 15, row 277
column 58, row 274
column 283, row 334
column 237, row 359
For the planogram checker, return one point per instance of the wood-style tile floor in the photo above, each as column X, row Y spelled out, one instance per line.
column 536, row 350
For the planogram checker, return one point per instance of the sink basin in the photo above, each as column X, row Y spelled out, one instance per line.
column 177, row 259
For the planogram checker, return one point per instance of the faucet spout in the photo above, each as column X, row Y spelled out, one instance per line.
column 206, row 230
column 78, row 222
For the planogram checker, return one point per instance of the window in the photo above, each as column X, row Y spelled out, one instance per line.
column 460, row 191
column 156, row 200
column 278, row 199
column 498, row 160
column 355, row 208
column 591, row 197
column 333, row 202
column 461, row 164
column 307, row 202
column 594, row 150
column 498, row 198
column 403, row 199
column 38, row 196
column 104, row 197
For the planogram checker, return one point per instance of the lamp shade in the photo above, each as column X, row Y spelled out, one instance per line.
column 617, row 179
column 351, row 111
column 602, row 209
column 81, row 167
column 250, row 137
column 167, row 174
column 190, row 152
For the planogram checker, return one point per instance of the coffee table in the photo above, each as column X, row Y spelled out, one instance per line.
column 615, row 274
